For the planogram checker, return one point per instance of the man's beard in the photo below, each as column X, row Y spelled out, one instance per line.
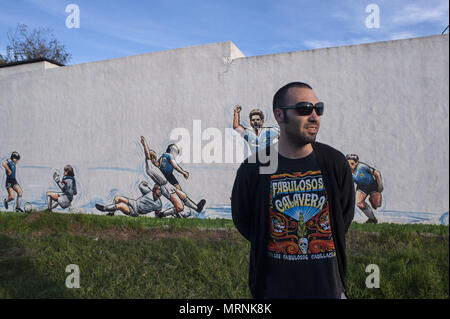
column 300, row 139
column 295, row 138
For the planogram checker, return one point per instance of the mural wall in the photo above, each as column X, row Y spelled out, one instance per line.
column 197, row 109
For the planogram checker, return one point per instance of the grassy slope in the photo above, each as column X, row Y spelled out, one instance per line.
column 123, row 257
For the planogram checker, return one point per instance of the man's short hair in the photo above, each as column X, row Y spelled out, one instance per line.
column 15, row 155
column 352, row 157
column 169, row 148
column 173, row 147
column 256, row 112
column 279, row 99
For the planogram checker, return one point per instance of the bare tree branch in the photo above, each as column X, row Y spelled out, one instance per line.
column 38, row 43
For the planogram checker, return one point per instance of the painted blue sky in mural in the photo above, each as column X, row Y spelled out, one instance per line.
column 111, row 29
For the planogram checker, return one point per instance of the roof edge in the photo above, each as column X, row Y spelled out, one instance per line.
column 31, row 61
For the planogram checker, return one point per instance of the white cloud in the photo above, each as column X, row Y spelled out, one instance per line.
column 8, row 20
column 52, row 7
column 319, row 44
column 402, row 35
column 148, row 33
column 413, row 14
column 282, row 46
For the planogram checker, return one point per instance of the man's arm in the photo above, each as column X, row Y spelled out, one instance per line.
column 61, row 184
column 5, row 165
column 179, row 169
column 377, row 176
column 236, row 122
column 146, row 151
column 347, row 196
column 241, row 209
column 149, row 154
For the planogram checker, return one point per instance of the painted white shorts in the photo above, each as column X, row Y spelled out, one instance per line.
column 158, row 177
column 63, row 200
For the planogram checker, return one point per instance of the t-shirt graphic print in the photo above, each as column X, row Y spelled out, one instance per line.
column 300, row 228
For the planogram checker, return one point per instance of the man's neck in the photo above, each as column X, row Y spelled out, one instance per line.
column 293, row 151
column 257, row 130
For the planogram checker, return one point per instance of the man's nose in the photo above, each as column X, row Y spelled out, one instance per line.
column 314, row 117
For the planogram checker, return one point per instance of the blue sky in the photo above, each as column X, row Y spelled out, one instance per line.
column 117, row 28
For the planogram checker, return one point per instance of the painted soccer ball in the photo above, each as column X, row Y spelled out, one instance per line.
column 27, row 207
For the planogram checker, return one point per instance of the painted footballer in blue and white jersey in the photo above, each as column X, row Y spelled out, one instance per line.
column 257, row 136
column 363, row 175
column 11, row 183
column 267, row 135
column 165, row 164
column 12, row 167
column 368, row 184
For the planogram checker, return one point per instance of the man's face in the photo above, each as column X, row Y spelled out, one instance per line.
column 299, row 130
column 156, row 192
column 256, row 122
column 15, row 160
column 175, row 152
column 352, row 164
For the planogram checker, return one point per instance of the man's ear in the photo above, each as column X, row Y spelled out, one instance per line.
column 279, row 116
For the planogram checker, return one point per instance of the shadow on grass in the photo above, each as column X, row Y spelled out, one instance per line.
column 20, row 278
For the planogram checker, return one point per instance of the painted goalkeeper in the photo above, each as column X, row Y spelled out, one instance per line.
column 68, row 188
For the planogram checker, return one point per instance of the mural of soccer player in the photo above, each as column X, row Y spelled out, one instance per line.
column 258, row 136
column 149, row 202
column 176, row 196
column 368, row 183
column 68, row 186
column 167, row 163
column 11, row 183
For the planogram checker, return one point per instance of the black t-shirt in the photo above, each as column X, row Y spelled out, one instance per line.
column 301, row 253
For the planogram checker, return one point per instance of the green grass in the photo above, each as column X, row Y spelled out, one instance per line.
column 122, row 257
column 413, row 260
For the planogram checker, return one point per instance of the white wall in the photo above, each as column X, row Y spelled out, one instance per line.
column 387, row 102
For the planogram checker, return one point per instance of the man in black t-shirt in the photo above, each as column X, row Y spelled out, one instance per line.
column 296, row 217
column 301, row 250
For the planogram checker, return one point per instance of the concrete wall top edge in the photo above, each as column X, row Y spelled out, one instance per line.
column 231, row 51
column 225, row 49
column 26, row 68
column 369, row 44
column 225, row 45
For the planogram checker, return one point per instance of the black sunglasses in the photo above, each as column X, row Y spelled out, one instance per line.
column 306, row 108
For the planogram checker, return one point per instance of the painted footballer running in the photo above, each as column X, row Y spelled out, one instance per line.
column 368, row 184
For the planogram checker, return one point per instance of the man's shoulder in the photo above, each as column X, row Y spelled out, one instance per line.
column 167, row 156
column 365, row 166
column 260, row 158
column 327, row 152
column 248, row 130
column 250, row 162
